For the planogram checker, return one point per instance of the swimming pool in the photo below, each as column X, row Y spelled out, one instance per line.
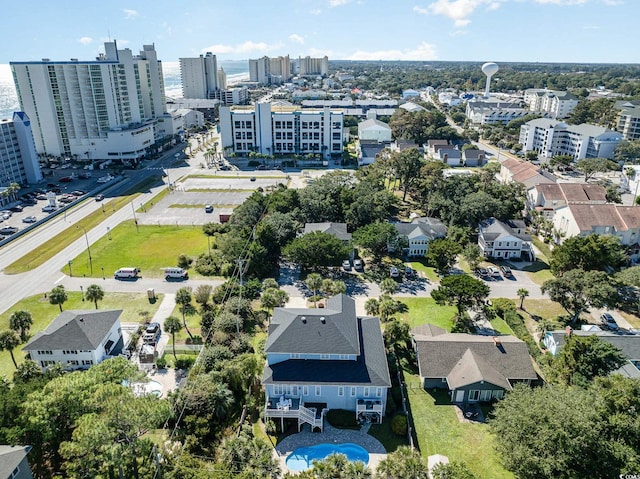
column 302, row 458
column 144, row 388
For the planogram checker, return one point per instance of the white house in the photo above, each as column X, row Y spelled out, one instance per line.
column 419, row 233
column 494, row 111
column 322, row 359
column 77, row 339
column 450, row 156
column 504, row 239
column 373, row 129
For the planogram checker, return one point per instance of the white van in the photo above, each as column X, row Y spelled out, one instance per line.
column 175, row 273
column 126, row 273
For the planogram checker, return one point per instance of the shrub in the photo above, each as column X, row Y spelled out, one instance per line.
column 208, row 265
column 161, row 363
column 184, row 361
column 184, row 261
column 196, row 340
column 214, row 355
column 502, row 305
column 254, row 163
column 342, row 419
column 399, row 425
column 515, row 322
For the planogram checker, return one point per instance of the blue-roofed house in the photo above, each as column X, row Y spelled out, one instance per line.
column 322, row 359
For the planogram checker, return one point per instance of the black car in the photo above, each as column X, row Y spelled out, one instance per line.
column 8, row 230
column 16, row 208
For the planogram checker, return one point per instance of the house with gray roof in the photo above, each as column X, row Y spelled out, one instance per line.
column 419, row 233
column 14, row 463
column 339, row 230
column 449, row 156
column 505, row 239
column 78, row 339
column 373, row 129
column 367, row 151
column 472, row 368
column 322, row 359
column 628, row 344
column 474, row 157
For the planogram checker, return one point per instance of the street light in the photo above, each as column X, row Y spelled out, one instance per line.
column 70, row 272
column 81, row 293
column 88, row 248
column 109, row 233
column 135, row 220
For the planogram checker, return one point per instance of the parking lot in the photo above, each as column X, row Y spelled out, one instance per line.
column 185, row 205
column 33, row 199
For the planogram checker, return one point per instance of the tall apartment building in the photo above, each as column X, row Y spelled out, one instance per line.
column 313, row 66
column 552, row 137
column 628, row 122
column 270, row 71
column 270, row 130
column 93, row 109
column 199, row 76
column 18, row 157
column 222, row 79
column 554, row 104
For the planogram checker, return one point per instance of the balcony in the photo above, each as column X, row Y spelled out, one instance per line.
column 369, row 405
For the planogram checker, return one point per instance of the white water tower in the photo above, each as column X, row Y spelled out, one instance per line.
column 489, row 69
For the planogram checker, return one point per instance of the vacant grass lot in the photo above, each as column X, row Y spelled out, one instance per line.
column 426, row 271
column 59, row 242
column 43, row 313
column 425, row 310
column 439, row 431
column 545, row 308
column 150, row 249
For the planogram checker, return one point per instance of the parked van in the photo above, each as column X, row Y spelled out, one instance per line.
column 175, row 273
column 126, row 273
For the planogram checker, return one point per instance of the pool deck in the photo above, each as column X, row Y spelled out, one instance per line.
column 306, row 438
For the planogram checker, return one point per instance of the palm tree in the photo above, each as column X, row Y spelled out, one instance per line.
column 172, row 326
column 522, row 293
column 388, row 286
column 9, row 339
column 20, row 322
column 94, row 293
column 372, row 307
column 269, row 283
column 183, row 298
column 314, row 283
column 58, row 296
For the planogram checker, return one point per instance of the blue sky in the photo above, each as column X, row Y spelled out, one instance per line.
column 478, row 30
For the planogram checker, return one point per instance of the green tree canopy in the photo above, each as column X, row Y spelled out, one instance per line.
column 58, row 296
column 442, row 254
column 9, row 340
column 578, row 290
column 183, row 299
column 316, row 249
column 94, row 293
column 461, row 291
column 592, row 252
column 376, row 238
column 591, row 166
column 20, row 322
column 172, row 326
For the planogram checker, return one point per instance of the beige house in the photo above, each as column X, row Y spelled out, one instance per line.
column 548, row 197
column 524, row 172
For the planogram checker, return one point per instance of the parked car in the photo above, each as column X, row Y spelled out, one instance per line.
column 608, row 320
column 8, row 230
column 482, row 272
column 16, row 208
column 506, row 271
column 105, row 179
column 78, row 193
column 99, row 197
column 409, row 272
column 152, row 327
column 29, row 219
column 208, row 209
column 49, row 209
column 84, row 176
column 253, row 178
column 41, row 196
column 66, row 179
column 494, row 272
column 346, row 265
column 393, row 272
column 358, row 265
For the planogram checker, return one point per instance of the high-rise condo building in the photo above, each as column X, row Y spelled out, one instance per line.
column 18, row 157
column 199, row 76
column 270, row 71
column 101, row 109
column 313, row 66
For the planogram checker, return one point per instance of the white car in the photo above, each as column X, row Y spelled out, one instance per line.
column 49, row 209
column 393, row 272
column 495, row 272
column 358, row 265
column 105, row 179
column 29, row 219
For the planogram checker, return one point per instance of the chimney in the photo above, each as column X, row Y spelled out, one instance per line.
column 304, row 319
column 569, row 331
column 322, row 319
column 496, row 341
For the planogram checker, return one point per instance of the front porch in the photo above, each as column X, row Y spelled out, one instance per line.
column 293, row 407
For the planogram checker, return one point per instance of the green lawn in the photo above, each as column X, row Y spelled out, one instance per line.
column 501, row 326
column 426, row 271
column 389, row 439
column 439, row 431
column 150, row 249
column 425, row 310
column 193, row 323
column 545, row 308
column 43, row 313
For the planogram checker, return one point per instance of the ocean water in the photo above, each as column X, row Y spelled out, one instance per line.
column 236, row 70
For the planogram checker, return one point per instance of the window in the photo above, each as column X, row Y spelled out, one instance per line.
column 15, row 472
column 353, row 392
column 366, row 392
column 318, row 391
column 305, row 390
column 295, row 355
column 378, row 392
column 325, row 356
column 87, row 362
column 474, row 395
column 340, row 391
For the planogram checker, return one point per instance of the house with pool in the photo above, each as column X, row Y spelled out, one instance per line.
column 322, row 359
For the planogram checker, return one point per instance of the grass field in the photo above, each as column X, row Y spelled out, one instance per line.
column 149, row 249
column 439, row 431
column 43, row 313
column 501, row 326
column 425, row 310
column 427, row 271
column 545, row 308
column 47, row 250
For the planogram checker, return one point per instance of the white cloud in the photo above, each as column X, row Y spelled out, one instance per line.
column 458, row 10
column 424, row 51
column 337, row 3
column 130, row 14
column 294, row 37
column 85, row 40
column 245, row 47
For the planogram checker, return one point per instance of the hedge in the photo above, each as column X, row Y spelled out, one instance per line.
column 516, row 323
